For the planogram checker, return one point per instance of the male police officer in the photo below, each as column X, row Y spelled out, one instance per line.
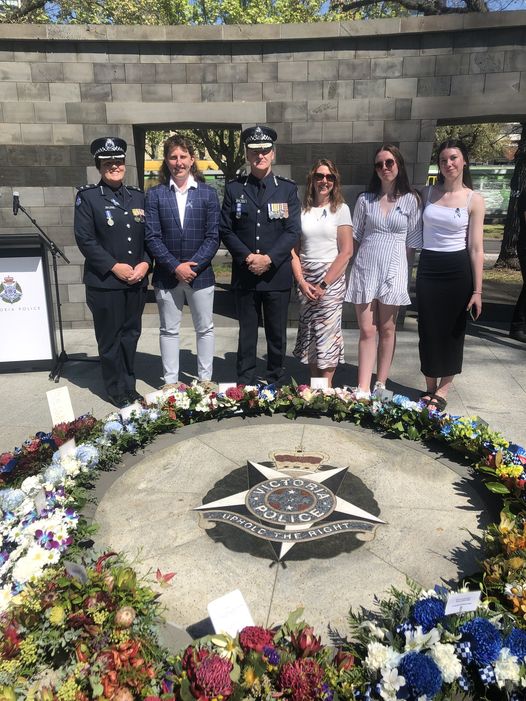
column 109, row 229
column 260, row 224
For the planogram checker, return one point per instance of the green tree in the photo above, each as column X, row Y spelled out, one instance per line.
column 424, row 7
column 153, row 142
column 222, row 145
column 486, row 142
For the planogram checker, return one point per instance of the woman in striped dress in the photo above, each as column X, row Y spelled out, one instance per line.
column 319, row 262
column 387, row 229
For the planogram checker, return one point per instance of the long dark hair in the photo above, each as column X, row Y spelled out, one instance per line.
column 466, row 174
column 178, row 141
column 402, row 185
column 335, row 196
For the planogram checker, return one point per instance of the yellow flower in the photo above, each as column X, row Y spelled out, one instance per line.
column 249, row 676
column 57, row 615
column 7, row 693
column 28, row 650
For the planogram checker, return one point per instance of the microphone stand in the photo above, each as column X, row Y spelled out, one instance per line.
column 62, row 357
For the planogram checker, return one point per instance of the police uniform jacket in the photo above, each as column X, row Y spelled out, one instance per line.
column 109, row 229
column 171, row 244
column 268, row 224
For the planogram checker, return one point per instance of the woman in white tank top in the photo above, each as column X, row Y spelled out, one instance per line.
column 449, row 278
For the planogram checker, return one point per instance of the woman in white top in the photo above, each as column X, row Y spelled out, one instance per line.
column 319, row 262
column 449, row 278
column 387, row 229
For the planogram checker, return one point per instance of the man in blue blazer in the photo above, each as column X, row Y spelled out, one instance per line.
column 182, row 218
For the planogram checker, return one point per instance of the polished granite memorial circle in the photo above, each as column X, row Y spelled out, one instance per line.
column 427, row 516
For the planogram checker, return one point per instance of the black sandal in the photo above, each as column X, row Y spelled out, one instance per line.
column 436, row 402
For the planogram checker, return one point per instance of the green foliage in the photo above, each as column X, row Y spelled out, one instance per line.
column 485, row 142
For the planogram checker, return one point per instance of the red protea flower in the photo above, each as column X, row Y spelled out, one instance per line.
column 302, row 680
column 235, row 393
column 212, row 679
column 305, row 642
column 344, row 661
column 192, row 658
column 255, row 638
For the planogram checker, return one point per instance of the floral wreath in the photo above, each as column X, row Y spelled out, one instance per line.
column 75, row 629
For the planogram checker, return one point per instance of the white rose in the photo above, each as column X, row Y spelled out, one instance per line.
column 506, row 668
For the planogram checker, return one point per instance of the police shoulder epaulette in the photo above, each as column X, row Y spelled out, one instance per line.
column 133, row 187
column 287, row 180
column 80, row 188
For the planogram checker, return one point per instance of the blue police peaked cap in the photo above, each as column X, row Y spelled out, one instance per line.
column 258, row 137
column 108, row 147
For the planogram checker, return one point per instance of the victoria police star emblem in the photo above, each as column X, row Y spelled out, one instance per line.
column 10, row 290
column 286, row 508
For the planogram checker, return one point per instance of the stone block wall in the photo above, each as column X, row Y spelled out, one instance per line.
column 335, row 90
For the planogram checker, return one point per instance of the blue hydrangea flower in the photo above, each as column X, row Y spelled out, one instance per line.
column 421, row 674
column 516, row 642
column 428, row 612
column 54, row 474
column 445, row 430
column 113, row 426
column 11, row 498
column 403, row 401
column 130, row 428
column 485, row 639
column 87, row 454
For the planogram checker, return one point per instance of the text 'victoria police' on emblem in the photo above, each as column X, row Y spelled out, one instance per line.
column 296, row 506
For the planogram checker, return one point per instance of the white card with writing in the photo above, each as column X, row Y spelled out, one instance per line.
column 154, row 397
column 127, row 411
column 230, row 613
column 60, row 406
column 67, row 448
column 461, row 602
column 223, row 386
column 319, row 383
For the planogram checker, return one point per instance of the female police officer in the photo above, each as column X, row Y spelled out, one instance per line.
column 109, row 230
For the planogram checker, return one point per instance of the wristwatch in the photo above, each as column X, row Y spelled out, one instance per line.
column 323, row 285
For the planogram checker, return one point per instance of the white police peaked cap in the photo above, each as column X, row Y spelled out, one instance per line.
column 108, row 147
column 258, row 137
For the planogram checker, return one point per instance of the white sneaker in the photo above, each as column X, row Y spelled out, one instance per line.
column 360, row 394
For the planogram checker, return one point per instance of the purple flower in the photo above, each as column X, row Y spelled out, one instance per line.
column 272, row 655
column 485, row 639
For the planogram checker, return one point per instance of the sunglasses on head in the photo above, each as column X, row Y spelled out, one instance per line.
column 388, row 163
column 325, row 176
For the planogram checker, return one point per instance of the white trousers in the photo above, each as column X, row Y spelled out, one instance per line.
column 171, row 303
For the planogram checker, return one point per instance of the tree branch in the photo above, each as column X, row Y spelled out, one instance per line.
column 14, row 14
column 427, row 7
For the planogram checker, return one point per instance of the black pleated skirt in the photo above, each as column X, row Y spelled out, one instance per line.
column 444, row 284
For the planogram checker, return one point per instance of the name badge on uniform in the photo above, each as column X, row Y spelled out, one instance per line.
column 240, row 201
column 109, row 219
column 278, row 210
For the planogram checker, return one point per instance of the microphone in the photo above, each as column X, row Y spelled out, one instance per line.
column 16, row 202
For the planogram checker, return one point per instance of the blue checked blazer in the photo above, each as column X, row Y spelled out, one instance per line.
column 169, row 244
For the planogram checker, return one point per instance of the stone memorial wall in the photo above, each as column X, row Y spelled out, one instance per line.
column 333, row 90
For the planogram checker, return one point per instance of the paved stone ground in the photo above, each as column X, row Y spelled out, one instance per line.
column 492, row 384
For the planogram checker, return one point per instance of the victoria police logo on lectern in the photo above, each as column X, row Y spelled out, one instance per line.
column 296, row 504
column 10, row 290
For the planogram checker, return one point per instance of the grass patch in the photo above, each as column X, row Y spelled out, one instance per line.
column 503, row 275
column 494, row 231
